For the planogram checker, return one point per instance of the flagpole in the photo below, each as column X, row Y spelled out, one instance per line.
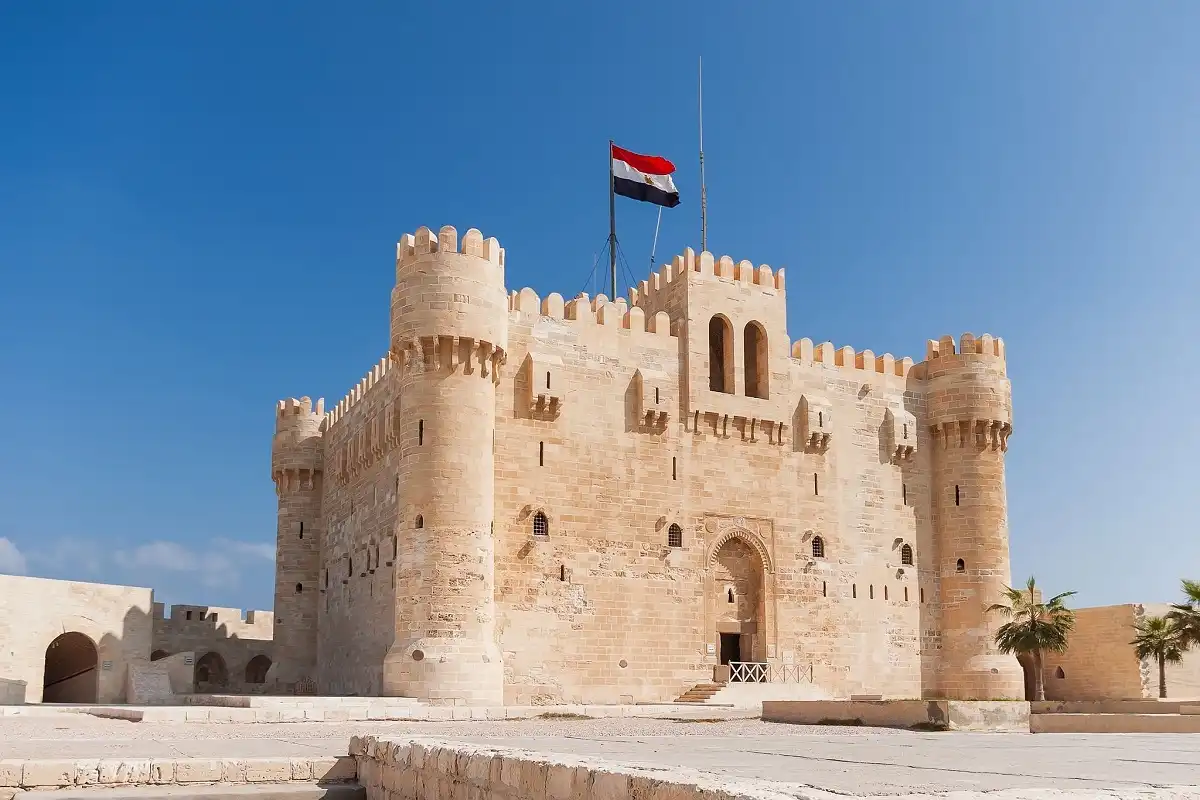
column 654, row 245
column 612, row 224
column 703, row 190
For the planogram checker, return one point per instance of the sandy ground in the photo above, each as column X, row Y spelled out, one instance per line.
column 841, row 759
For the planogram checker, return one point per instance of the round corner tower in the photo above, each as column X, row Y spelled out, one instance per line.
column 296, row 468
column 970, row 417
column 449, row 335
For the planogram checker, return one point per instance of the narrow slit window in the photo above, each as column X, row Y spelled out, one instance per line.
column 674, row 469
column 655, row 395
column 326, row 579
column 854, row 590
column 904, row 494
column 816, row 486
column 562, row 572
column 906, row 594
column 885, row 593
column 957, row 495
column 420, row 432
column 824, row 589
column 820, row 419
column 674, row 536
column 301, row 529
column 547, row 379
column 921, row 595
column 541, row 454
column 729, row 595
column 871, row 592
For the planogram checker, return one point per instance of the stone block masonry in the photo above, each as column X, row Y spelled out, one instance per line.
column 535, row 500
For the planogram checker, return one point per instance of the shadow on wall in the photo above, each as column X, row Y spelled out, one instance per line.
column 233, row 650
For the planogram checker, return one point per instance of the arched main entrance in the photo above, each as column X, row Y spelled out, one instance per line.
column 211, row 672
column 71, row 675
column 739, row 602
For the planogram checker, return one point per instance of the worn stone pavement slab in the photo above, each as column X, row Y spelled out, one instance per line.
column 855, row 761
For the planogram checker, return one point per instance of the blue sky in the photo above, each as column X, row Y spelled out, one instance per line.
column 199, row 204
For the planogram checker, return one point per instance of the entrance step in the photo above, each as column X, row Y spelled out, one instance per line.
column 699, row 693
column 246, row 791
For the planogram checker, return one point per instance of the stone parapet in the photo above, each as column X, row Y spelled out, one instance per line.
column 125, row 772
column 960, row 715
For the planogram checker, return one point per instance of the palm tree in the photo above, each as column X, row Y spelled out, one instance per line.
column 1185, row 616
column 1158, row 637
column 1033, row 628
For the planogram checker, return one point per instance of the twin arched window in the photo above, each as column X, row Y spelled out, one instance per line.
column 754, row 353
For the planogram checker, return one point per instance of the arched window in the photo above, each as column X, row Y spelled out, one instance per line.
column 157, row 654
column 754, row 343
column 1058, row 672
column 818, row 547
column 299, row 588
column 674, row 536
column 906, row 555
column 419, row 522
column 541, row 525
column 961, row 566
column 720, row 355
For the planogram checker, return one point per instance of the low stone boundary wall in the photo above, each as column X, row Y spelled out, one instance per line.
column 12, row 692
column 115, row 772
column 373, row 710
column 429, row 769
column 1114, row 723
column 961, row 715
column 1105, row 707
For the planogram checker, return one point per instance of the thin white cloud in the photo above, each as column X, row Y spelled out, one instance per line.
column 12, row 562
column 218, row 566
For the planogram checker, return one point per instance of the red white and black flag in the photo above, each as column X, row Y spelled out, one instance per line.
column 646, row 178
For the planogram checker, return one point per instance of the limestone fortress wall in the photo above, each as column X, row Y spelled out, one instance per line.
column 597, row 501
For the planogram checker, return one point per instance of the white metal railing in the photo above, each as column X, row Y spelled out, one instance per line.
column 762, row 672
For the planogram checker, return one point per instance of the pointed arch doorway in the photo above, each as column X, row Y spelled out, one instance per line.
column 739, row 599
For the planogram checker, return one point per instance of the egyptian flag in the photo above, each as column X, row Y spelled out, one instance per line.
column 646, row 178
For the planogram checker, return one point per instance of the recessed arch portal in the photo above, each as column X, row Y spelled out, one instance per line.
column 71, row 674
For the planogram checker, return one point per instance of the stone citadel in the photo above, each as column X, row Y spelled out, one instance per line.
column 536, row 502
column 529, row 500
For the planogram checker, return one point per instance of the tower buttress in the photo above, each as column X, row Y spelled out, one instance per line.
column 296, row 467
column 970, row 418
column 449, row 336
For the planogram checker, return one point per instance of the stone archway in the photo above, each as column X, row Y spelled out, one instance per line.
column 211, row 673
column 257, row 669
column 737, row 598
column 71, row 674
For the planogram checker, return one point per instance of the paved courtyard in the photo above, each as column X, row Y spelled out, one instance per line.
column 853, row 761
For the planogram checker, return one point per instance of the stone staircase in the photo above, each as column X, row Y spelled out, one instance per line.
column 699, row 693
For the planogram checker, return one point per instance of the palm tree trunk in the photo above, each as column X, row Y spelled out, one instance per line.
column 1162, row 676
column 1039, row 683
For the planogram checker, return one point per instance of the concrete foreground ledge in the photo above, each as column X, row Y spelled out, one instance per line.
column 1011, row 716
column 373, row 710
column 432, row 769
column 32, row 774
column 276, row 791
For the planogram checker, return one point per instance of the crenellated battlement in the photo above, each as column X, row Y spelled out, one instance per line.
column 617, row 315
column 847, row 358
column 292, row 407
column 706, row 265
column 412, row 246
column 377, row 374
column 246, row 624
column 968, row 343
